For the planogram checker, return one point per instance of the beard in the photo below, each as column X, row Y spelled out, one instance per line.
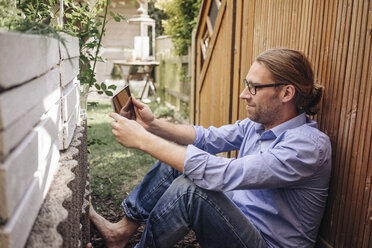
column 266, row 114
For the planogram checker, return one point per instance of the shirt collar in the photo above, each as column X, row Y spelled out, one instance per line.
column 297, row 121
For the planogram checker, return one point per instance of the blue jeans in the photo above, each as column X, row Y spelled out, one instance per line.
column 170, row 205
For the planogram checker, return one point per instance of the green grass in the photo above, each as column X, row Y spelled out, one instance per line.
column 114, row 169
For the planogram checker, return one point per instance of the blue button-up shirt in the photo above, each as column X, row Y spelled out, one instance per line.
column 279, row 180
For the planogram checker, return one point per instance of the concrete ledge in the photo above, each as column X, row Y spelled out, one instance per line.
column 63, row 220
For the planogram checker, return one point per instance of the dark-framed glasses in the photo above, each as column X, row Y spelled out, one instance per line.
column 252, row 87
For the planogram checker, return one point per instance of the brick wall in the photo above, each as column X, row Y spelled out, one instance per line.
column 39, row 115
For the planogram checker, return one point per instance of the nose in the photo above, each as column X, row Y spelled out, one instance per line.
column 245, row 93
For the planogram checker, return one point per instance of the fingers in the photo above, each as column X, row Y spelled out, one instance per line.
column 137, row 103
column 114, row 124
column 116, row 116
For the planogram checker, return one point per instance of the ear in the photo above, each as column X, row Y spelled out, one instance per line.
column 288, row 92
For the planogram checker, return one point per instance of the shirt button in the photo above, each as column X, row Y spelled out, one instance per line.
column 260, row 142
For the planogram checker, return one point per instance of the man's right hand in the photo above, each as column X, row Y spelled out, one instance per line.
column 144, row 115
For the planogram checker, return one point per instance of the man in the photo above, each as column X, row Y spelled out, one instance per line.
column 272, row 195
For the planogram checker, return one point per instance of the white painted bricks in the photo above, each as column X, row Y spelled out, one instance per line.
column 70, row 113
column 24, row 57
column 14, row 233
column 22, row 107
column 16, row 175
column 70, row 47
column 68, row 129
column 69, row 70
column 29, row 157
column 39, row 108
column 70, row 100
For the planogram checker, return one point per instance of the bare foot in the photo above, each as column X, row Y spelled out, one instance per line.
column 116, row 235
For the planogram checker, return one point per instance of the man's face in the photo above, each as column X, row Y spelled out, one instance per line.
column 264, row 106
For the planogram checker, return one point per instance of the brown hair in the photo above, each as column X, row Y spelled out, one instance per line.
column 292, row 67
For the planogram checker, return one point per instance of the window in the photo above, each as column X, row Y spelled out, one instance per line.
column 210, row 21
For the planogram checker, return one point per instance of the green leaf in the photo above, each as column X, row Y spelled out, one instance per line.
column 109, row 93
column 117, row 19
column 103, row 86
column 97, row 86
column 112, row 86
column 100, row 92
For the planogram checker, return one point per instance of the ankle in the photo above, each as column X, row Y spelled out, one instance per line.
column 129, row 225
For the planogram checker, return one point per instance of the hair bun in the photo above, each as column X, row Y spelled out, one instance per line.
column 314, row 99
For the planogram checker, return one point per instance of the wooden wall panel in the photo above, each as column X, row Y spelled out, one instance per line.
column 336, row 36
column 214, row 88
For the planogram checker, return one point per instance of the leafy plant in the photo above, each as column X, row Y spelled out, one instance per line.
column 85, row 21
column 88, row 24
column 26, row 20
column 182, row 18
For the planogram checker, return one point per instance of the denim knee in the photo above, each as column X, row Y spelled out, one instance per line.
column 182, row 184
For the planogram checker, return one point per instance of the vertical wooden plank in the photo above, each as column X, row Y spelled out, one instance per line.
column 360, row 156
column 268, row 28
column 284, row 28
column 335, row 99
column 237, row 77
column 347, row 127
column 299, row 9
column 271, row 29
column 318, row 29
column 231, row 51
column 258, row 27
column 192, row 64
column 366, row 229
column 328, row 53
column 279, row 20
column 305, row 20
column 355, row 131
column 247, row 45
column 200, row 30
column 338, row 123
column 366, row 214
column 323, row 58
column 330, row 115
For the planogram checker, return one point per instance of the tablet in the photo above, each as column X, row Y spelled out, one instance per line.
column 123, row 99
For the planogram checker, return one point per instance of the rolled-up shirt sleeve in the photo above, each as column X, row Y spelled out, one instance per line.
column 283, row 164
column 216, row 140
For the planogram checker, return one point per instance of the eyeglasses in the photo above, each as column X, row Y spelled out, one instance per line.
column 252, row 87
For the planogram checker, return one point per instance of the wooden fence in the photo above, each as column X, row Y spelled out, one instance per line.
column 336, row 36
